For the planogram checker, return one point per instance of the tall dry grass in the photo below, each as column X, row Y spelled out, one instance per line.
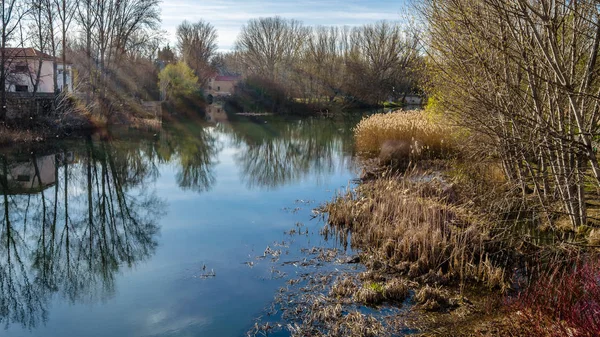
column 436, row 136
column 410, row 227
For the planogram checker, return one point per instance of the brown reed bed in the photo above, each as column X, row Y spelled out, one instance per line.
column 460, row 230
column 408, row 227
column 436, row 137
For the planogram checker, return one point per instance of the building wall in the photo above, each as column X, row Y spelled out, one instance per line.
column 59, row 77
column 221, row 88
column 46, row 83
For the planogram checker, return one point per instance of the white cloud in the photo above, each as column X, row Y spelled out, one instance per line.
column 229, row 16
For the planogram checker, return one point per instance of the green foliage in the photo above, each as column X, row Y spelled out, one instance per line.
column 178, row 80
column 376, row 286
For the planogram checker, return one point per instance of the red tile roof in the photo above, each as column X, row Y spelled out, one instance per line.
column 227, row 78
column 29, row 53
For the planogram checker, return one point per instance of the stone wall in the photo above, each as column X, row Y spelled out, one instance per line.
column 24, row 105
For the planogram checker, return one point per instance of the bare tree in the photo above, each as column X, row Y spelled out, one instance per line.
column 12, row 13
column 50, row 22
column 65, row 10
column 114, row 34
column 39, row 39
column 131, row 20
column 87, row 21
column 324, row 64
column 269, row 46
column 365, row 64
column 524, row 76
column 197, row 43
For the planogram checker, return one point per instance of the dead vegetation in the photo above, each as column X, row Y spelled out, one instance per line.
column 409, row 127
column 432, row 298
column 445, row 226
column 410, row 228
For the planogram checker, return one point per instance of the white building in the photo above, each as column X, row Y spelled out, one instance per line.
column 23, row 177
column 23, row 66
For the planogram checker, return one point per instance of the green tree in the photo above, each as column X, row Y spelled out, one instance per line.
column 177, row 80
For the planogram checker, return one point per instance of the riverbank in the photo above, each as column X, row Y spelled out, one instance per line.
column 66, row 126
column 469, row 249
column 39, row 129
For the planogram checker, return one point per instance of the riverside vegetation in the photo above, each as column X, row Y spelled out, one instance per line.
column 459, row 234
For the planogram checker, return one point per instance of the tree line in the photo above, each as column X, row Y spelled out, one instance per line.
column 114, row 46
column 366, row 65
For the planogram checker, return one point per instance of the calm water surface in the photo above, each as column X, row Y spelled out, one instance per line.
column 157, row 234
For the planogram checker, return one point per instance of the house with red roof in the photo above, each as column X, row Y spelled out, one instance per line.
column 28, row 67
column 222, row 85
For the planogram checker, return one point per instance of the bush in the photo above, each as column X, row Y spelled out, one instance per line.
column 562, row 302
column 178, row 80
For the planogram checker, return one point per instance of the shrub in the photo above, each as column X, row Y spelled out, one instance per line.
column 178, row 80
column 562, row 302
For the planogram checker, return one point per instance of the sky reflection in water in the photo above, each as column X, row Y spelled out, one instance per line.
column 165, row 210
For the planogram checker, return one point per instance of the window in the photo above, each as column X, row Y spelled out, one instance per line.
column 23, row 177
column 218, row 88
column 21, row 68
column 209, row 87
column 21, row 88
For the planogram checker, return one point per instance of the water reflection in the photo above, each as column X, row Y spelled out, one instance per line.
column 75, row 215
column 215, row 113
column 195, row 147
column 22, row 175
column 70, row 221
column 275, row 152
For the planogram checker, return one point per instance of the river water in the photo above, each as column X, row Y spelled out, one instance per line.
column 181, row 231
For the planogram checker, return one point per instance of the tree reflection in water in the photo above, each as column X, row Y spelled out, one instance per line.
column 195, row 147
column 276, row 151
column 72, row 217
column 71, row 238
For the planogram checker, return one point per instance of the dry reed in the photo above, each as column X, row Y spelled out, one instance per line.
column 436, row 137
column 404, row 224
column 431, row 298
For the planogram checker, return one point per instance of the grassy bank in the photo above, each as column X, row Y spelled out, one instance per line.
column 449, row 226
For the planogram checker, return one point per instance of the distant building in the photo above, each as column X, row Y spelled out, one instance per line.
column 222, row 85
column 412, row 100
column 23, row 66
column 215, row 113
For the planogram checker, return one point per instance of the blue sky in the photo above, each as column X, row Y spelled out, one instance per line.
column 228, row 16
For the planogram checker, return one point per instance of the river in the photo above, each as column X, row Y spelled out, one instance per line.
column 189, row 230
